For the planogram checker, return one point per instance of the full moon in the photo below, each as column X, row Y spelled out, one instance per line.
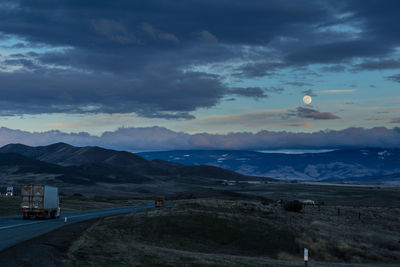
column 307, row 99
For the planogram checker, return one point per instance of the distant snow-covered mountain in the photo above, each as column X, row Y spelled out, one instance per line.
column 367, row 165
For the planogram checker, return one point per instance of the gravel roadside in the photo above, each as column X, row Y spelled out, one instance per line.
column 45, row 250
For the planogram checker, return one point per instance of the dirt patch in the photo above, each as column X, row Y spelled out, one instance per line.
column 45, row 250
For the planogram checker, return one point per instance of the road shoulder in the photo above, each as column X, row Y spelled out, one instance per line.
column 46, row 250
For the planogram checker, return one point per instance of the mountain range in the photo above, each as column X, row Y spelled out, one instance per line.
column 366, row 165
column 96, row 169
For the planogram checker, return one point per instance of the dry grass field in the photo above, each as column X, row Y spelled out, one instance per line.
column 240, row 225
column 9, row 206
column 216, row 232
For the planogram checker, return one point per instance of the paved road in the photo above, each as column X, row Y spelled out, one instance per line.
column 14, row 230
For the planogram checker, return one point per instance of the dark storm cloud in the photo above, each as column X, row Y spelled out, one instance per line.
column 26, row 63
column 272, row 89
column 254, row 92
column 137, row 56
column 114, row 31
column 159, row 138
column 299, row 84
column 140, row 59
column 157, row 34
column 226, row 21
column 378, row 65
column 379, row 20
column 334, row 68
column 378, row 24
column 19, row 55
column 338, row 51
column 206, row 36
column 309, row 92
column 155, row 95
column 309, row 113
column 258, row 69
column 394, row 78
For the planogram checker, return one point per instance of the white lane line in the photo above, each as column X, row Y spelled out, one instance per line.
column 21, row 224
column 84, row 215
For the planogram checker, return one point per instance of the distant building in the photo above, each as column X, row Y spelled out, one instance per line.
column 254, row 182
column 228, row 182
column 306, row 201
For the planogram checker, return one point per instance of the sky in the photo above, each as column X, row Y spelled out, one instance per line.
column 79, row 71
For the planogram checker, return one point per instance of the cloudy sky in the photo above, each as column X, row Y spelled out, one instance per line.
column 195, row 68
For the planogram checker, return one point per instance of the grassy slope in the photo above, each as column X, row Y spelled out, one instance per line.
column 346, row 195
column 240, row 233
column 9, row 206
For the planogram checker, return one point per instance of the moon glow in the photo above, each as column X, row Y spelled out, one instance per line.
column 307, row 99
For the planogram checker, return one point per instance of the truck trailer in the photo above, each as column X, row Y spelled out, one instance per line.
column 39, row 201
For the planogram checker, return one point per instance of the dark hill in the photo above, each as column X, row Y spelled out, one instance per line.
column 17, row 165
column 22, row 164
column 67, row 155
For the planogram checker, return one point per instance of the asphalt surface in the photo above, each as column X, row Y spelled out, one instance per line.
column 14, row 230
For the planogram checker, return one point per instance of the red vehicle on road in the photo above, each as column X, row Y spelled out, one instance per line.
column 159, row 202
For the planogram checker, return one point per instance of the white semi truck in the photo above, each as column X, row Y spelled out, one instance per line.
column 39, row 201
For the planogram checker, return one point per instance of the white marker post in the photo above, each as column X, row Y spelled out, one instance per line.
column 65, row 220
column 305, row 256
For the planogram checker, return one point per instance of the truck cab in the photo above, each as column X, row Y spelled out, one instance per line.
column 10, row 191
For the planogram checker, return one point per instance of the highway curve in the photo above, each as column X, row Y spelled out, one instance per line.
column 14, row 229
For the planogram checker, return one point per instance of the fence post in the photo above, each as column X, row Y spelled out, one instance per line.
column 305, row 256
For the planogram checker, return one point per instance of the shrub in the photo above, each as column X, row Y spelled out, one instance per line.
column 294, row 206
